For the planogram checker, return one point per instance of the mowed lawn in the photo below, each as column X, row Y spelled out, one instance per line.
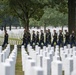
column 19, row 63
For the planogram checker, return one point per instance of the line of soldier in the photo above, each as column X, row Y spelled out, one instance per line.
column 57, row 39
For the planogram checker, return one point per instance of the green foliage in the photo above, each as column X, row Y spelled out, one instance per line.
column 35, row 12
column 51, row 17
column 60, row 5
column 26, row 9
column 34, row 23
column 3, row 10
column 54, row 17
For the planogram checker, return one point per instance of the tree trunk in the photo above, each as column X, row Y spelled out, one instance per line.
column 27, row 22
column 72, row 15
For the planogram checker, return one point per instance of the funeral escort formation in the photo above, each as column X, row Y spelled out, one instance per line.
column 44, row 39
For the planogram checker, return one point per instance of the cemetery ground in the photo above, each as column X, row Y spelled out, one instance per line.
column 19, row 63
column 18, row 69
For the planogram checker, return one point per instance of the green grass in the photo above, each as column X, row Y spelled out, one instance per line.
column 12, row 38
column 19, row 64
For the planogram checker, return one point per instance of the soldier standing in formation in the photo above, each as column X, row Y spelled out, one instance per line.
column 72, row 39
column 36, row 41
column 49, row 36
column 25, row 41
column 46, row 42
column 29, row 37
column 54, row 38
column 37, row 38
column 5, row 39
column 60, row 41
column 42, row 38
column 67, row 38
column 33, row 38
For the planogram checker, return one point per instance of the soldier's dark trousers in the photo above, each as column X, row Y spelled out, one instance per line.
column 54, row 41
column 41, row 44
column 33, row 42
column 23, row 43
column 73, row 43
column 26, row 43
column 60, row 43
column 46, row 43
column 5, row 42
column 67, row 42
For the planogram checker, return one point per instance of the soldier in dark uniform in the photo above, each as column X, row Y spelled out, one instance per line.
column 49, row 36
column 37, row 38
column 25, row 41
column 5, row 39
column 46, row 36
column 29, row 37
column 72, row 39
column 33, row 38
column 67, row 38
column 60, row 41
column 54, row 38
column 42, row 38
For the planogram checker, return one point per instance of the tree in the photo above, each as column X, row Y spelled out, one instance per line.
column 26, row 9
column 60, row 5
column 72, row 15
column 67, row 6
column 33, row 22
column 3, row 12
column 54, row 17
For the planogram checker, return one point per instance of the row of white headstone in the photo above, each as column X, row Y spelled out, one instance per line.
column 49, row 60
column 28, row 64
column 68, row 56
column 4, row 54
column 8, row 60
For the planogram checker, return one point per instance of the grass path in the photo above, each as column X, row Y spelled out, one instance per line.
column 19, row 64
